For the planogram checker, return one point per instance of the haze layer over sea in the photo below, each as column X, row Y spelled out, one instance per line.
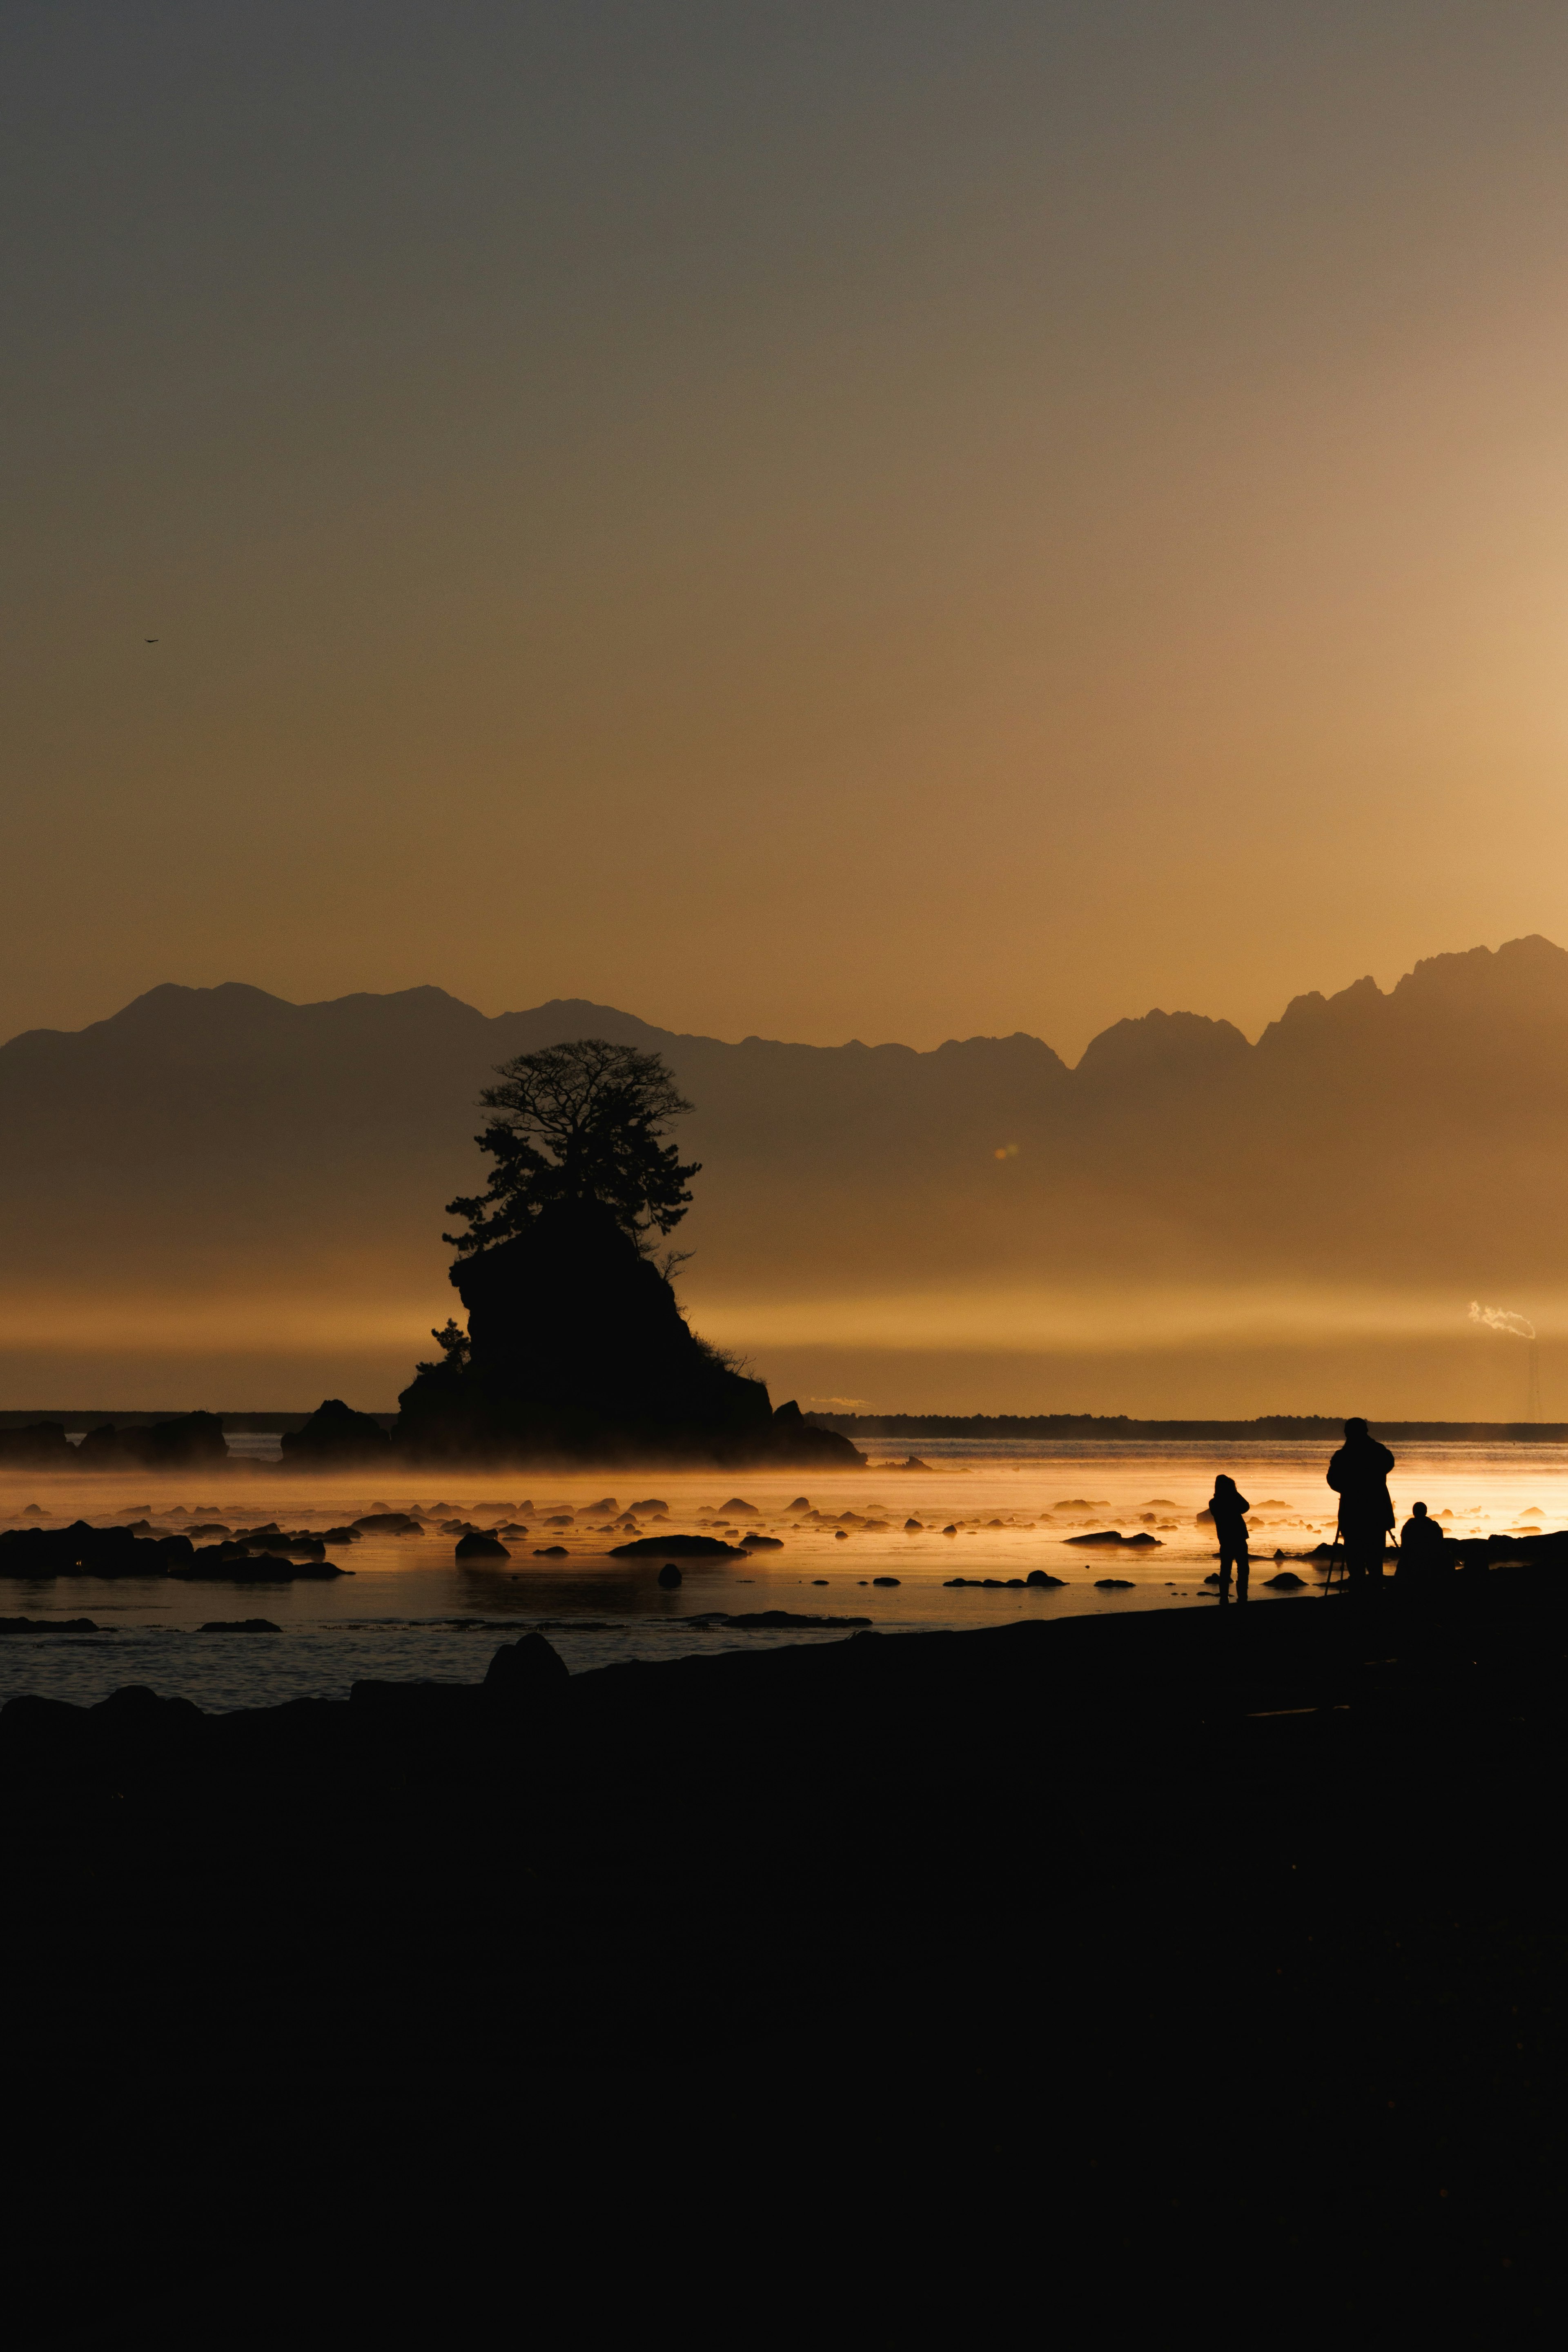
column 411, row 1610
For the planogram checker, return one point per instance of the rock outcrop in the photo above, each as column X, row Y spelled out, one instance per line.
column 335, row 1435
column 578, row 1350
column 39, row 1445
column 191, row 1441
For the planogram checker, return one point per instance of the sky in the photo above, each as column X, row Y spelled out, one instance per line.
column 880, row 521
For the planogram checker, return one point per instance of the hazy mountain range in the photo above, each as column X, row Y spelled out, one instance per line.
column 216, row 1191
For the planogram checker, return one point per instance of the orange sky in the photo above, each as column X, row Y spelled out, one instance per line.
column 891, row 520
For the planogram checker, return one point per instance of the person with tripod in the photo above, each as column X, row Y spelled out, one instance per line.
column 1359, row 1476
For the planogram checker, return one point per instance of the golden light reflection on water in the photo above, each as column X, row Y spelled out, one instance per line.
column 410, row 1609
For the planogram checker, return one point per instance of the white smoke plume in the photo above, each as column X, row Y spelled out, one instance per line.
column 1498, row 1319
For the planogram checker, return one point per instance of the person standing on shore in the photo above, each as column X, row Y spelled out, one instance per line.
column 1359, row 1476
column 1228, row 1511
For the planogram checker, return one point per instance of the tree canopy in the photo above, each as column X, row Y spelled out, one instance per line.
column 579, row 1122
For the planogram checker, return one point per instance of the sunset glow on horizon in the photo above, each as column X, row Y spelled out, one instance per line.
column 893, row 522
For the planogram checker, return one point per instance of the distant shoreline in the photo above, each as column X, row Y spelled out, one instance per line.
column 910, row 1425
column 1275, row 1425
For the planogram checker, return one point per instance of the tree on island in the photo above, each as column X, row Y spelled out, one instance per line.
column 578, row 1122
column 576, row 1348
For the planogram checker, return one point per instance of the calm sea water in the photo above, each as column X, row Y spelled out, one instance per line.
column 410, row 1610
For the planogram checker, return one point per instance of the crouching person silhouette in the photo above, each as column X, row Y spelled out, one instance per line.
column 1229, row 1510
column 1359, row 1476
column 1423, row 1555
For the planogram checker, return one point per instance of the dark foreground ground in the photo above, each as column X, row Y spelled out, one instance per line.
column 1193, row 1974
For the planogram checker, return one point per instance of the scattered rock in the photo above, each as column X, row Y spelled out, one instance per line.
column 670, row 1576
column 887, row 1580
column 480, row 1548
column 549, row 1551
column 1286, row 1581
column 913, row 1527
column 388, row 1523
column 762, row 1543
column 682, row 1547
column 1143, row 1540
column 1037, row 1576
column 48, row 1625
column 761, row 1620
column 243, row 1564
column 239, row 1625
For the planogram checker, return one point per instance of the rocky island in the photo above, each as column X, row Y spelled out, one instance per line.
column 575, row 1349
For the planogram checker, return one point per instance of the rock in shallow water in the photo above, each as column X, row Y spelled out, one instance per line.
column 683, row 1547
column 477, row 1547
column 670, row 1576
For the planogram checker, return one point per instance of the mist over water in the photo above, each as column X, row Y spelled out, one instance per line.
column 409, row 1610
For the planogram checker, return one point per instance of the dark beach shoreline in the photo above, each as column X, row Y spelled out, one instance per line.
column 1092, row 1938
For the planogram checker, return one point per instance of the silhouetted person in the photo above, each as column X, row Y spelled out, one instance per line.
column 1359, row 1476
column 1421, row 1550
column 1229, row 1510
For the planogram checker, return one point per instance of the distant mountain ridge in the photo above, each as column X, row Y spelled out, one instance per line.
column 208, row 1140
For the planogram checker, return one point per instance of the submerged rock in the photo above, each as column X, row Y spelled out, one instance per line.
column 48, row 1625
column 682, row 1547
column 762, row 1621
column 1143, row 1541
column 239, row 1564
